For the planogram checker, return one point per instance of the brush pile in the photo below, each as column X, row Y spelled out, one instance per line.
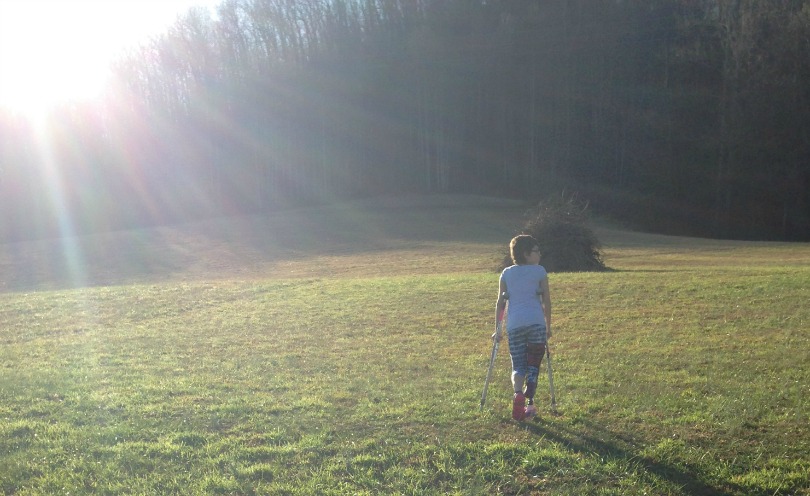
column 567, row 244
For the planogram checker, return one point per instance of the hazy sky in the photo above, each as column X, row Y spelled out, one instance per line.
column 55, row 50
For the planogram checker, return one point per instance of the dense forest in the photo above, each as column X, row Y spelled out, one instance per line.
column 686, row 116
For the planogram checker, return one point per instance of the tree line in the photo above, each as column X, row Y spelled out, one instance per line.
column 689, row 116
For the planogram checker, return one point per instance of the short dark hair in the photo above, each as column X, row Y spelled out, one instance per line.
column 520, row 246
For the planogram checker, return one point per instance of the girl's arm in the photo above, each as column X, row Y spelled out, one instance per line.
column 500, row 305
column 546, row 302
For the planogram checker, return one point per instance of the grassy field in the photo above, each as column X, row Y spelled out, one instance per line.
column 343, row 351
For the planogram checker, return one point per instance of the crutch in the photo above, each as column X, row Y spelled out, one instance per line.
column 551, row 380
column 495, row 343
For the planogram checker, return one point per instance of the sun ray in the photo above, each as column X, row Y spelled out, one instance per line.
column 56, row 198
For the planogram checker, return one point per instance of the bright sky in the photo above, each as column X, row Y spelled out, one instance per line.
column 57, row 50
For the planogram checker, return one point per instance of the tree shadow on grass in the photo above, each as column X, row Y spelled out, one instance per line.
column 596, row 439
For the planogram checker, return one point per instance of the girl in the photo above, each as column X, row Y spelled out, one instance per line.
column 525, row 285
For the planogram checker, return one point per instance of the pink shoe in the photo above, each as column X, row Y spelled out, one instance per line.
column 530, row 412
column 518, row 406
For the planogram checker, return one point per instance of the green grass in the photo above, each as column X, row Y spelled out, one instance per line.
column 352, row 362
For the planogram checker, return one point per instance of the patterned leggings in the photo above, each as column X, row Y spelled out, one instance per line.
column 526, row 347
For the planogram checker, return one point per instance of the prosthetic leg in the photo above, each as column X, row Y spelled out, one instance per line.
column 535, row 354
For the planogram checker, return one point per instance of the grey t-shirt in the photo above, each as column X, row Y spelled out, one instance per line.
column 523, row 291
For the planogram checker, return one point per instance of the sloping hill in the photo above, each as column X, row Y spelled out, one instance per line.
column 401, row 235
column 363, row 237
